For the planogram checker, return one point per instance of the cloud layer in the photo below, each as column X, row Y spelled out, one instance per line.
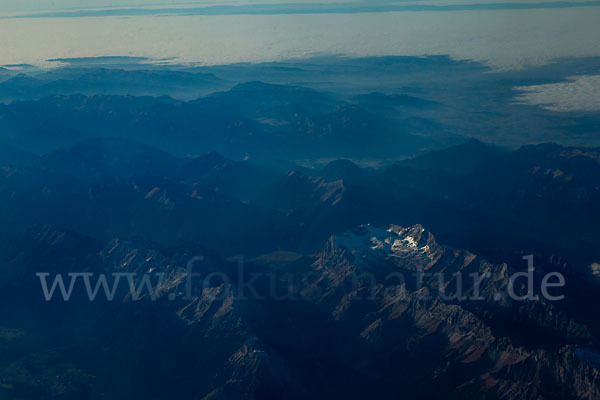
column 504, row 39
column 581, row 93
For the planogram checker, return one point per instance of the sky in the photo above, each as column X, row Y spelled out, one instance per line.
column 39, row 5
column 502, row 33
column 130, row 8
column 42, row 5
column 503, row 39
column 12, row 6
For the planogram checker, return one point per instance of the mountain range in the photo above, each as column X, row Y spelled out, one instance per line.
column 328, row 228
column 110, row 205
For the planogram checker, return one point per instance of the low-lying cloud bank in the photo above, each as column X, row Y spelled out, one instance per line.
column 580, row 93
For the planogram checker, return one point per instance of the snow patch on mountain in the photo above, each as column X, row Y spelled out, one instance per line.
column 394, row 242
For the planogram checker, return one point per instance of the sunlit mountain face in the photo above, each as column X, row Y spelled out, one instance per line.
column 292, row 200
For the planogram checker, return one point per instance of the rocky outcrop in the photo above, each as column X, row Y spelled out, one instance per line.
column 401, row 292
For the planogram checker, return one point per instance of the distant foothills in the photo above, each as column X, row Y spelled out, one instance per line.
column 369, row 109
